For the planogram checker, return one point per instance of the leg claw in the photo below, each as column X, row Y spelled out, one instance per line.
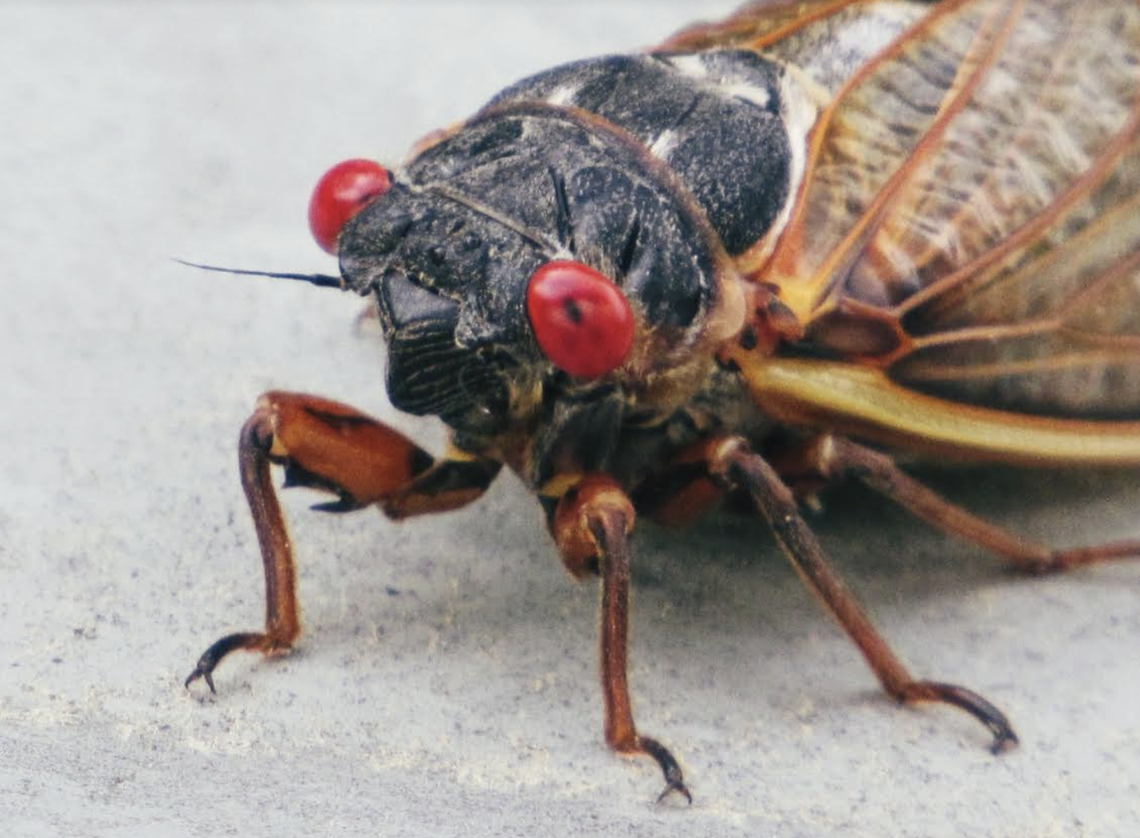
column 203, row 672
column 674, row 779
column 678, row 786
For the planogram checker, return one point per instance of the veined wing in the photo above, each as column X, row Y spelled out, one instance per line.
column 967, row 219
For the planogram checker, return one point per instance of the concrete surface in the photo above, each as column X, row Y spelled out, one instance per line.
column 446, row 681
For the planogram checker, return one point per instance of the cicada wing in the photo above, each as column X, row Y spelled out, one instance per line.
column 966, row 216
column 760, row 24
column 1051, row 326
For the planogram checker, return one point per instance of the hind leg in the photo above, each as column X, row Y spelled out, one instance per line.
column 830, row 458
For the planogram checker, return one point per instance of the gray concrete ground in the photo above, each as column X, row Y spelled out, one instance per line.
column 446, row 681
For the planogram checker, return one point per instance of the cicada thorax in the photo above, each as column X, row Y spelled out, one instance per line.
column 715, row 119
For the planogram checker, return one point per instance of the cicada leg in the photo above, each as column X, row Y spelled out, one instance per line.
column 329, row 446
column 591, row 526
column 736, row 467
column 829, row 457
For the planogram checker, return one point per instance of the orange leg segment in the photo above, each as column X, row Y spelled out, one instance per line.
column 591, row 527
column 327, row 445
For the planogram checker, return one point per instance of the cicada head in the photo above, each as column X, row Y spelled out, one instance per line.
column 539, row 275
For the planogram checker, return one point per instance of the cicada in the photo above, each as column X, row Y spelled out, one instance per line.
column 770, row 254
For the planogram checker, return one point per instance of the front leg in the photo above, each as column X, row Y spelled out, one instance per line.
column 591, row 527
column 329, row 446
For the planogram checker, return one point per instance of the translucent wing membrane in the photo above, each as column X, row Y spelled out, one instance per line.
column 968, row 218
column 884, row 130
column 771, row 26
column 1054, row 326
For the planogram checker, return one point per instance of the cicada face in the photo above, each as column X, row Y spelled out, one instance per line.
column 455, row 251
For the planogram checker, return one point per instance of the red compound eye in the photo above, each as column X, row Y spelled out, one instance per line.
column 581, row 321
column 342, row 192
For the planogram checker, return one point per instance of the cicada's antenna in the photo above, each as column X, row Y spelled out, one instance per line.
column 320, row 280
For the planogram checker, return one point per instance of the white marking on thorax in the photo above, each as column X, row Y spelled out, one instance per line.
column 694, row 67
column 758, row 96
column 563, row 95
column 690, row 65
column 663, row 146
